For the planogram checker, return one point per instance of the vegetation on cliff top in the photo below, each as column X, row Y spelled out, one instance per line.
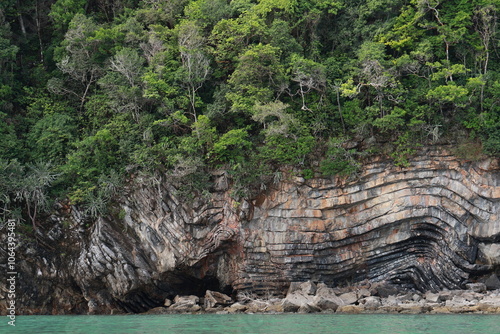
column 93, row 92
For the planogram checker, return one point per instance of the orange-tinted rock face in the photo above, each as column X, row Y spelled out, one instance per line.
column 432, row 225
column 418, row 226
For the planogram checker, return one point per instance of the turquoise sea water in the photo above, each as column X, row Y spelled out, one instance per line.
column 249, row 323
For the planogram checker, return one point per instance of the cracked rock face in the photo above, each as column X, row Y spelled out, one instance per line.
column 158, row 249
column 432, row 225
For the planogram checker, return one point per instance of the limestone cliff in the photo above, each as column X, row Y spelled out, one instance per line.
column 432, row 225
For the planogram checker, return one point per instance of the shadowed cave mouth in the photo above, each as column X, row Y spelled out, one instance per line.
column 171, row 285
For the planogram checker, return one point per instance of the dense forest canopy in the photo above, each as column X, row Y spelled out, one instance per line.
column 94, row 93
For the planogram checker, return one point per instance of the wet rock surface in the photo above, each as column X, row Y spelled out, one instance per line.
column 430, row 227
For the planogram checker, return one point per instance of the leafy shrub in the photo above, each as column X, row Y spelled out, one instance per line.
column 405, row 147
column 491, row 144
column 231, row 146
column 338, row 160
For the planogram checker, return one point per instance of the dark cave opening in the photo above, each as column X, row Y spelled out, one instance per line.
column 170, row 285
column 186, row 283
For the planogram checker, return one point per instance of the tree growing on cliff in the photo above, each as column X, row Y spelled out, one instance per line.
column 78, row 60
column 31, row 188
column 195, row 63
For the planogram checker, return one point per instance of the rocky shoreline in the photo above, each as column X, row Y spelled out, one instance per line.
column 309, row 297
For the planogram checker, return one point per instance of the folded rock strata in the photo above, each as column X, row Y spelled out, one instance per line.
column 432, row 225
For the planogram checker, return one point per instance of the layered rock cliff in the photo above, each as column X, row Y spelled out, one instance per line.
column 432, row 225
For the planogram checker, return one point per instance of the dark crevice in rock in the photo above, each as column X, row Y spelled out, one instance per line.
column 139, row 301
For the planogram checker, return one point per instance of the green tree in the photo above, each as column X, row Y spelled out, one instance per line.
column 310, row 76
column 123, row 82
column 11, row 171
column 257, row 77
column 450, row 94
column 195, row 62
column 207, row 12
column 8, row 53
column 449, row 21
column 485, row 24
column 78, row 60
column 63, row 11
column 31, row 188
column 230, row 147
column 51, row 137
column 339, row 160
column 10, row 145
column 286, row 140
